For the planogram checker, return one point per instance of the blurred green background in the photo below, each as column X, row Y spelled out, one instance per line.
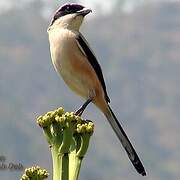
column 137, row 44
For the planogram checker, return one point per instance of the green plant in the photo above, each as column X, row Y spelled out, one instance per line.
column 35, row 173
column 68, row 136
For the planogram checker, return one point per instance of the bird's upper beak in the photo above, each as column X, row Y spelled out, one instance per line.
column 84, row 11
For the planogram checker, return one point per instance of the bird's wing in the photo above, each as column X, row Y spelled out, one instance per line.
column 86, row 50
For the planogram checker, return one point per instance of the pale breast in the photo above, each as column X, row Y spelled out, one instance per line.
column 60, row 40
column 71, row 64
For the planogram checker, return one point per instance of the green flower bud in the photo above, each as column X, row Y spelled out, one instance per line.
column 25, row 177
column 60, row 111
column 35, row 173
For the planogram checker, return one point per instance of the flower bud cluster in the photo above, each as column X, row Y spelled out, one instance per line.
column 35, row 172
column 86, row 127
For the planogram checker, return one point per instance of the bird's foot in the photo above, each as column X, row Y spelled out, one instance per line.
column 82, row 108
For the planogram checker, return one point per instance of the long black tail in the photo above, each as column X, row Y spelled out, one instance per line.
column 125, row 142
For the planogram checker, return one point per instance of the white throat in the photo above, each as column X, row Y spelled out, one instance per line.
column 70, row 21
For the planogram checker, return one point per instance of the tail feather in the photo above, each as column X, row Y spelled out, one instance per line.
column 125, row 141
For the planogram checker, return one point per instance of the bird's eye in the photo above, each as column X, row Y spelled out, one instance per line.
column 68, row 8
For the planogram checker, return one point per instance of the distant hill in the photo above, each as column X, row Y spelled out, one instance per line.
column 140, row 58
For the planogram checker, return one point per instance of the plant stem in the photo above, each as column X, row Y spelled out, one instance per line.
column 57, row 165
column 76, row 169
column 65, row 167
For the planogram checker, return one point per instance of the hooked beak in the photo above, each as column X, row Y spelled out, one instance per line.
column 84, row 12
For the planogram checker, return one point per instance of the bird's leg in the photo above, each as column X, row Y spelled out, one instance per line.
column 83, row 107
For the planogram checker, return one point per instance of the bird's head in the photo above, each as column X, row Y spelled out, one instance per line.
column 69, row 16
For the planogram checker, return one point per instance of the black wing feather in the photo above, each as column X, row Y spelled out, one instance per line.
column 94, row 63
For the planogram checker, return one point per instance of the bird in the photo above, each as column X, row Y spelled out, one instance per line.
column 76, row 63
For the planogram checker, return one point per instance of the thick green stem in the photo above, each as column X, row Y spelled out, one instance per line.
column 66, row 141
column 60, row 164
column 76, row 168
column 72, row 160
column 57, row 163
column 65, row 167
column 76, row 156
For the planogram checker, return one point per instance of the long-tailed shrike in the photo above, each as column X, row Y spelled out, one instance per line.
column 74, row 60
